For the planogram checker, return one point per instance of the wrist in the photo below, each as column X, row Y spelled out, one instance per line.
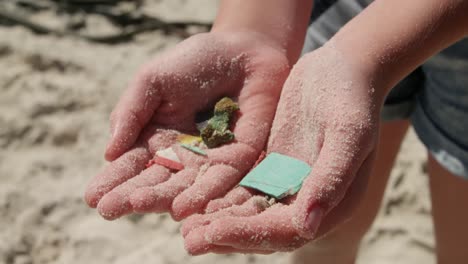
column 253, row 40
column 283, row 23
column 359, row 69
column 387, row 41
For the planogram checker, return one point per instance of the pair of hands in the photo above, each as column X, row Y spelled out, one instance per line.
column 325, row 116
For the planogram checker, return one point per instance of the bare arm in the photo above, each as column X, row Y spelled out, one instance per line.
column 284, row 22
column 392, row 37
column 327, row 116
column 247, row 55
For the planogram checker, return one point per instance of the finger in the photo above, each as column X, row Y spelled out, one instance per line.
column 159, row 198
column 196, row 244
column 188, row 158
column 238, row 155
column 117, row 202
column 271, row 230
column 257, row 109
column 338, row 162
column 236, row 196
column 253, row 206
column 215, row 182
column 133, row 111
column 159, row 138
column 117, row 172
column 230, row 250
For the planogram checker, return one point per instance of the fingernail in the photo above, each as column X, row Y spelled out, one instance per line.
column 111, row 136
column 195, row 242
column 314, row 219
column 114, row 129
column 110, row 143
column 108, row 151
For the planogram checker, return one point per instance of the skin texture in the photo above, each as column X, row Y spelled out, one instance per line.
column 342, row 243
column 244, row 56
column 448, row 194
column 283, row 21
column 328, row 116
column 163, row 100
column 314, row 123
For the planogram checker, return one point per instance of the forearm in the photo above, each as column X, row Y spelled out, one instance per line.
column 284, row 22
column 392, row 37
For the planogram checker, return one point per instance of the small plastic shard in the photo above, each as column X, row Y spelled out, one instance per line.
column 168, row 154
column 216, row 132
column 150, row 163
column 277, row 175
column 170, row 164
column 194, row 149
column 189, row 139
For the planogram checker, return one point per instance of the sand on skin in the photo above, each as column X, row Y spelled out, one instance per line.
column 54, row 108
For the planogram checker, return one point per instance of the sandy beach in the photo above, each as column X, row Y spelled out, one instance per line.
column 56, row 94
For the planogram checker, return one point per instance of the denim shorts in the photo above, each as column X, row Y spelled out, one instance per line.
column 434, row 97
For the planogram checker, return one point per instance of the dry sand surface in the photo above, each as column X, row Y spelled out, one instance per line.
column 55, row 98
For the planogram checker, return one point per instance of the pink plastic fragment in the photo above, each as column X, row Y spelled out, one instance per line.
column 170, row 164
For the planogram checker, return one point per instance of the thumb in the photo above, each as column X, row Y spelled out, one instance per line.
column 133, row 111
column 338, row 164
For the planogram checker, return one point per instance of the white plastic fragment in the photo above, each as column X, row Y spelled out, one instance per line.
column 168, row 154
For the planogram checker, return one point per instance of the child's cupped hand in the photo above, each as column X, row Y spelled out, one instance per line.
column 163, row 101
column 328, row 117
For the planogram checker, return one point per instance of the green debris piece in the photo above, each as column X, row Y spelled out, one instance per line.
column 277, row 175
column 217, row 132
column 194, row 149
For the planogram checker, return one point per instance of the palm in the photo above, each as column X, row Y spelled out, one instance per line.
column 323, row 119
column 163, row 101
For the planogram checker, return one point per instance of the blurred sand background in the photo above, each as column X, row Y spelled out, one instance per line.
column 55, row 98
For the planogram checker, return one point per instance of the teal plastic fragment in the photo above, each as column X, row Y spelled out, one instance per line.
column 194, row 149
column 277, row 175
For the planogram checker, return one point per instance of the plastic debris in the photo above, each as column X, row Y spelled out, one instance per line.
column 194, row 149
column 217, row 132
column 277, row 175
column 168, row 154
column 170, row 164
column 189, row 139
